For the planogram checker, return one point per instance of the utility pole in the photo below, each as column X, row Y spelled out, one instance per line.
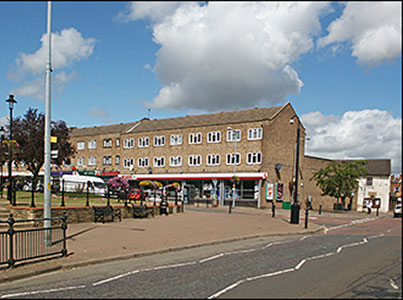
column 47, row 200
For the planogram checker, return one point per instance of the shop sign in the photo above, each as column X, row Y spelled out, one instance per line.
column 279, row 191
column 269, row 191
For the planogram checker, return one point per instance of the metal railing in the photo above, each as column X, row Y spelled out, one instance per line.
column 18, row 245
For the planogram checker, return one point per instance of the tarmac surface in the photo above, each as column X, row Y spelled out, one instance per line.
column 92, row 243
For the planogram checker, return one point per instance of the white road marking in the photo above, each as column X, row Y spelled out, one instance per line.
column 43, row 291
column 393, row 285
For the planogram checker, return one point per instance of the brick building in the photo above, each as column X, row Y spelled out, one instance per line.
column 199, row 152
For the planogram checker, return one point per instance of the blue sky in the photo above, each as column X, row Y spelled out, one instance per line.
column 339, row 64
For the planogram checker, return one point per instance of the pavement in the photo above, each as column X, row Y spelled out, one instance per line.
column 94, row 243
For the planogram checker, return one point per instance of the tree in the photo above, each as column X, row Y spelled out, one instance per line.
column 340, row 179
column 29, row 132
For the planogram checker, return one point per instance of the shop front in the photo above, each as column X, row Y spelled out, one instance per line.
column 214, row 188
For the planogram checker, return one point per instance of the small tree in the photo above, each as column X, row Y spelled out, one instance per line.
column 29, row 132
column 340, row 179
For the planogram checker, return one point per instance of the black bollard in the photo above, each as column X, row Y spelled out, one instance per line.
column 273, row 210
column 320, row 209
column 229, row 207
column 306, row 218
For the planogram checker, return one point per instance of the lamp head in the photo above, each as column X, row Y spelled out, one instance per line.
column 11, row 101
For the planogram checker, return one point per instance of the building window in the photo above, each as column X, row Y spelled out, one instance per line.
column 117, row 160
column 143, row 162
column 214, row 137
column 234, row 135
column 92, row 161
column 213, row 159
column 255, row 134
column 80, row 161
column 195, row 138
column 107, row 143
column 107, row 160
column 159, row 162
column 80, row 145
column 128, row 163
column 117, row 142
column 176, row 139
column 144, row 142
column 233, row 159
column 128, row 143
column 369, row 180
column 194, row 160
column 175, row 161
column 254, row 158
column 92, row 144
column 159, row 141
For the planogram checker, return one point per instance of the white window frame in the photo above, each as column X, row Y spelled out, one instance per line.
column 80, row 161
column 254, row 158
column 232, row 157
column 175, row 161
column 117, row 160
column 194, row 160
column 117, row 142
column 128, row 143
column 159, row 162
column 213, row 159
column 144, row 142
column 107, row 143
column 107, row 160
column 255, row 134
column 128, row 163
column 230, row 135
column 92, row 144
column 176, row 139
column 92, row 161
column 195, row 138
column 159, row 141
column 214, row 137
column 143, row 162
column 81, row 145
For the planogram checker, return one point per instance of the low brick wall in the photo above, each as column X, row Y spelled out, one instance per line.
column 76, row 214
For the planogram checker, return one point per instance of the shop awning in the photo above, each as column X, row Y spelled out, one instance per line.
column 196, row 176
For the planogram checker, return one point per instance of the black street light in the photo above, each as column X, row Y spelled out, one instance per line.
column 11, row 102
column 295, row 205
column 2, row 131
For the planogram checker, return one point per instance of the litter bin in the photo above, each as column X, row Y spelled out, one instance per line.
column 163, row 207
column 286, row 205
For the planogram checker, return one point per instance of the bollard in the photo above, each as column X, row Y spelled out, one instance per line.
column 273, row 210
column 377, row 211
column 229, row 207
column 306, row 218
column 320, row 209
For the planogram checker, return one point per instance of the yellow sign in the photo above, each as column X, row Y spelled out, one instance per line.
column 53, row 139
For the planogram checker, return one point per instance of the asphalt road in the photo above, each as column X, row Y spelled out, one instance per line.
column 351, row 260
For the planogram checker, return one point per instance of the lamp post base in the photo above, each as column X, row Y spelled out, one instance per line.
column 295, row 213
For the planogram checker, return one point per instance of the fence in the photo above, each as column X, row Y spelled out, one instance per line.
column 18, row 245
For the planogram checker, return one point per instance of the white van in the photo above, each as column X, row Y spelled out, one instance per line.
column 78, row 183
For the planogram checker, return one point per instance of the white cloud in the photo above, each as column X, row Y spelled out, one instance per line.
column 374, row 30
column 156, row 11
column 98, row 112
column 36, row 89
column 357, row 134
column 68, row 47
column 223, row 55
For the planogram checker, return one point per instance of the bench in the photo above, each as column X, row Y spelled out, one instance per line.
column 142, row 211
column 100, row 212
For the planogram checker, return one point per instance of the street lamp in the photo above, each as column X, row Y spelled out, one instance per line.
column 2, row 131
column 295, row 205
column 11, row 102
column 234, row 136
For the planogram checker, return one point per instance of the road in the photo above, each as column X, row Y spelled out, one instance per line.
column 352, row 259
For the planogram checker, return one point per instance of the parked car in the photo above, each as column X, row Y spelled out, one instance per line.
column 397, row 211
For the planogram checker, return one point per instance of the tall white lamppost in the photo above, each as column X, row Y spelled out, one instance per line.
column 47, row 202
